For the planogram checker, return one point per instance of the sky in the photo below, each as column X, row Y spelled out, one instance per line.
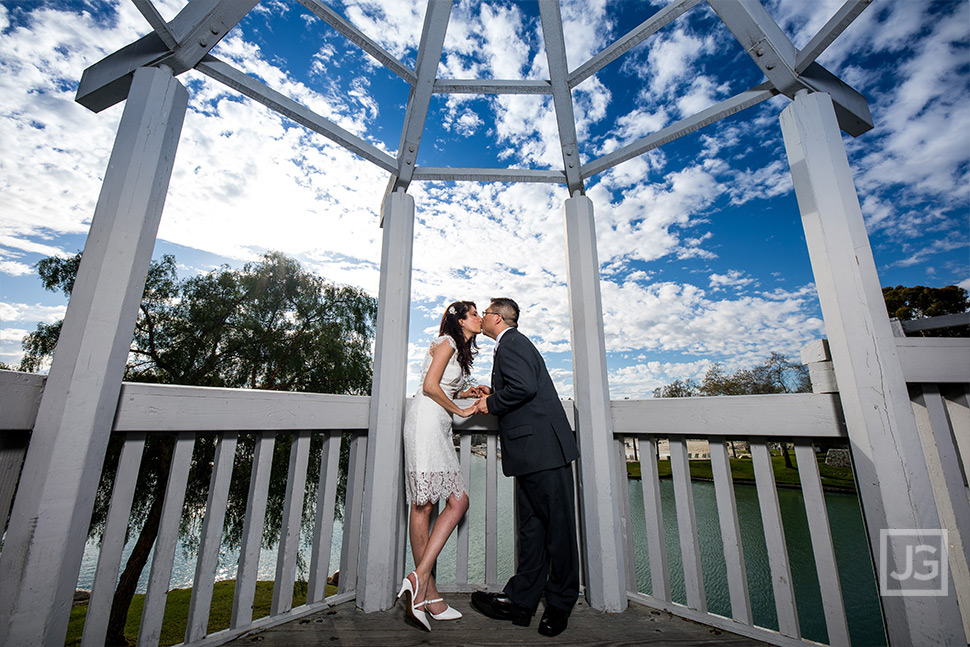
column 701, row 249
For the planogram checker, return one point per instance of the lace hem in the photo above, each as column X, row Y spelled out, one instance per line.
column 430, row 487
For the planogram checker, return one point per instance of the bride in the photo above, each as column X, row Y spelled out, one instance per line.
column 431, row 467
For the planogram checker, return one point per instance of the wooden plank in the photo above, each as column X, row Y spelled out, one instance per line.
column 13, row 449
column 822, row 546
column 934, row 360
column 727, row 513
column 323, row 525
column 794, row 414
column 943, row 464
column 461, row 550
column 492, row 86
column 454, row 174
column 20, row 395
column 690, row 550
column 958, row 410
column 491, row 510
column 653, row 515
column 211, row 538
column 350, row 548
column 781, row 583
column 290, row 526
column 168, row 531
column 157, row 407
column 113, row 541
column 252, row 536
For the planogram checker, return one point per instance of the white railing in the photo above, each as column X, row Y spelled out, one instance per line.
column 187, row 412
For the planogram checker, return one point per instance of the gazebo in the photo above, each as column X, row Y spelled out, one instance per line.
column 901, row 403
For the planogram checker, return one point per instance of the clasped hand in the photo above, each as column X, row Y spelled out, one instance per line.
column 480, row 392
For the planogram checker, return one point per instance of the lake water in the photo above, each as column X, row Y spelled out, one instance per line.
column 851, row 548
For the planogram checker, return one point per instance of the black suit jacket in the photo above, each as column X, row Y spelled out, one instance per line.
column 533, row 428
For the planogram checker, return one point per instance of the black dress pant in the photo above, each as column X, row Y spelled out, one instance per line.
column 548, row 559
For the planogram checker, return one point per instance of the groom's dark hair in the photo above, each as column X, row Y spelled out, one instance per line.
column 508, row 308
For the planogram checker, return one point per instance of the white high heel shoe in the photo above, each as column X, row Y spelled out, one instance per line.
column 450, row 613
column 411, row 610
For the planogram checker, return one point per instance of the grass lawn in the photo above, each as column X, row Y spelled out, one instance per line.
column 742, row 470
column 177, row 611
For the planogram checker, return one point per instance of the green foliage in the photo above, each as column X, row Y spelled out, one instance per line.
column 919, row 302
column 777, row 374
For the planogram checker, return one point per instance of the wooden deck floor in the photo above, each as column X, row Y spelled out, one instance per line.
column 344, row 625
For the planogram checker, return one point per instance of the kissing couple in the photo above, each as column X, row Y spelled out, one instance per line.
column 538, row 447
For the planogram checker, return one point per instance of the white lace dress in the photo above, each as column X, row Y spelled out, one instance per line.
column 431, row 468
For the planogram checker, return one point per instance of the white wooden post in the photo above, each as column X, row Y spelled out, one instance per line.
column 893, row 480
column 603, row 497
column 49, row 523
column 383, row 511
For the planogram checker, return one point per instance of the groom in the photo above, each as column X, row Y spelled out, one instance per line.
column 538, row 447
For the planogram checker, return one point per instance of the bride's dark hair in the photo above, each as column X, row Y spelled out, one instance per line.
column 451, row 326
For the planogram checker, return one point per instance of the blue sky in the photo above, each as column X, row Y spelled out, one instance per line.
column 702, row 253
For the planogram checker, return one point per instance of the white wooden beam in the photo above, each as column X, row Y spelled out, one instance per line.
column 562, row 99
column 828, row 33
column 718, row 111
column 634, row 37
column 281, row 104
column 197, row 28
column 603, row 513
column 383, row 509
column 894, row 484
column 774, row 54
column 52, row 511
column 492, row 86
column 432, row 173
column 358, row 38
column 429, row 56
column 148, row 11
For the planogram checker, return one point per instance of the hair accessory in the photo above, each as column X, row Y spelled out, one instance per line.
column 452, row 311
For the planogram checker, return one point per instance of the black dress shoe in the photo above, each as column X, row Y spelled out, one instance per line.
column 553, row 621
column 500, row 607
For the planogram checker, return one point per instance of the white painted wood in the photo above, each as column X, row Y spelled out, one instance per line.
column 50, row 516
column 384, row 508
column 461, row 548
column 290, row 527
column 934, row 360
column 491, row 510
column 281, row 104
column 323, row 525
column 161, row 570
column 358, row 38
column 894, row 483
column 20, row 395
column 631, row 39
column 678, row 129
column 626, row 527
column 113, row 541
column 604, row 489
column 946, row 475
column 211, row 539
column 150, row 14
column 828, row 33
column 13, row 449
column 492, row 86
column 562, row 100
column 690, row 549
column 787, row 415
column 822, row 546
column 653, row 516
column 727, row 512
column 958, row 410
column 425, row 69
column 781, row 583
column 165, row 407
column 448, row 174
column 774, row 54
column 353, row 504
column 252, row 535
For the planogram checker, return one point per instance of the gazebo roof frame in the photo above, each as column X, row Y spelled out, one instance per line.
column 185, row 43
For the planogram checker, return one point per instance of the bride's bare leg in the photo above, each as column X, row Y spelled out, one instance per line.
column 425, row 550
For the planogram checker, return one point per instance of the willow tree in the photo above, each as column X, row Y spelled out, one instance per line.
column 270, row 325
